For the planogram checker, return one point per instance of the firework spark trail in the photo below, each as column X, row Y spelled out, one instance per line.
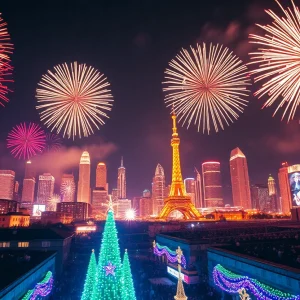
column 53, row 142
column 26, row 141
column 74, row 99
column 67, row 190
column 206, row 86
column 52, row 202
column 278, row 60
column 6, row 49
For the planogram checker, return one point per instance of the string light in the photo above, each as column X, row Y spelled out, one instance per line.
column 232, row 283
column 42, row 289
column 171, row 255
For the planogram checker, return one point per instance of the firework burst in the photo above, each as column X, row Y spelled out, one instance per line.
column 6, row 49
column 73, row 99
column 206, row 86
column 278, row 61
column 26, row 141
column 53, row 142
column 52, row 202
column 67, row 190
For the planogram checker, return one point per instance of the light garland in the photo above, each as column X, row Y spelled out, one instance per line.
column 232, row 283
column 41, row 289
column 171, row 255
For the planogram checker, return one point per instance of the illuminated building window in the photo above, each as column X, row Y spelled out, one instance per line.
column 4, row 244
column 46, row 244
column 23, row 244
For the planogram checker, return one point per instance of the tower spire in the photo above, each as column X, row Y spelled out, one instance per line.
column 180, row 294
column 122, row 162
column 175, row 134
column 177, row 199
column 177, row 186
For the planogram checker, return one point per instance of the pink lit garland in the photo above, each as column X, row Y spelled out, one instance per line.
column 232, row 283
column 171, row 255
column 42, row 289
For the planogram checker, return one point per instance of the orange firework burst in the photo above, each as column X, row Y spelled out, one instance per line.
column 278, row 60
column 206, row 86
column 74, row 99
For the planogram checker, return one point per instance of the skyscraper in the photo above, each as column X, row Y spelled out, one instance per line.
column 158, row 189
column 122, row 181
column 114, row 194
column 122, row 206
column 198, row 191
column 67, row 188
column 28, row 183
column 29, row 170
column 136, row 204
column 7, row 182
column 45, row 188
column 260, row 197
column 16, row 191
column 189, row 184
column 99, row 202
column 271, row 185
column 84, row 186
column 211, row 174
column 101, row 176
column 284, row 187
column 145, row 206
column 272, row 194
column 100, row 193
column 240, row 179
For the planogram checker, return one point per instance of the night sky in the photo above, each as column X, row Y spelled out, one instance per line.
column 131, row 42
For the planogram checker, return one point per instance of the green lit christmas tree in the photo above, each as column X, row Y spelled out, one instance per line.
column 108, row 282
column 90, row 278
column 128, row 288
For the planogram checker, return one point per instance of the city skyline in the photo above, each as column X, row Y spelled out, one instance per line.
column 278, row 140
column 150, row 149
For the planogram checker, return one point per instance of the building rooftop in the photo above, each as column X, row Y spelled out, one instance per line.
column 235, row 153
column 20, row 262
column 282, row 253
column 28, row 234
column 15, row 214
column 225, row 233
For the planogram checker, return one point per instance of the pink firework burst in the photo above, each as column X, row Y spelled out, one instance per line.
column 25, row 141
column 53, row 142
column 6, row 49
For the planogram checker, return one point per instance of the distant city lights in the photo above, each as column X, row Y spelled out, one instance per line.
column 86, row 228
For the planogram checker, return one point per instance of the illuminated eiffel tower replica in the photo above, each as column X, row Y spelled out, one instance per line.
column 178, row 199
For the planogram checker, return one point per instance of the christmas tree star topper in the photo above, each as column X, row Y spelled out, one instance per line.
column 109, row 269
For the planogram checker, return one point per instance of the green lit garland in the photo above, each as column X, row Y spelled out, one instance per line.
column 41, row 289
column 233, row 283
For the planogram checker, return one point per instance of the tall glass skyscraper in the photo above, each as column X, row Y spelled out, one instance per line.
column 198, row 190
column 121, row 181
column 84, row 184
column 28, row 183
column 7, row 182
column 101, row 176
column 158, row 189
column 212, row 185
column 45, row 188
column 189, row 184
column 240, row 179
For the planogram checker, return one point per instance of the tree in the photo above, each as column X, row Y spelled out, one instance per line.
column 90, row 278
column 128, row 288
column 108, row 283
